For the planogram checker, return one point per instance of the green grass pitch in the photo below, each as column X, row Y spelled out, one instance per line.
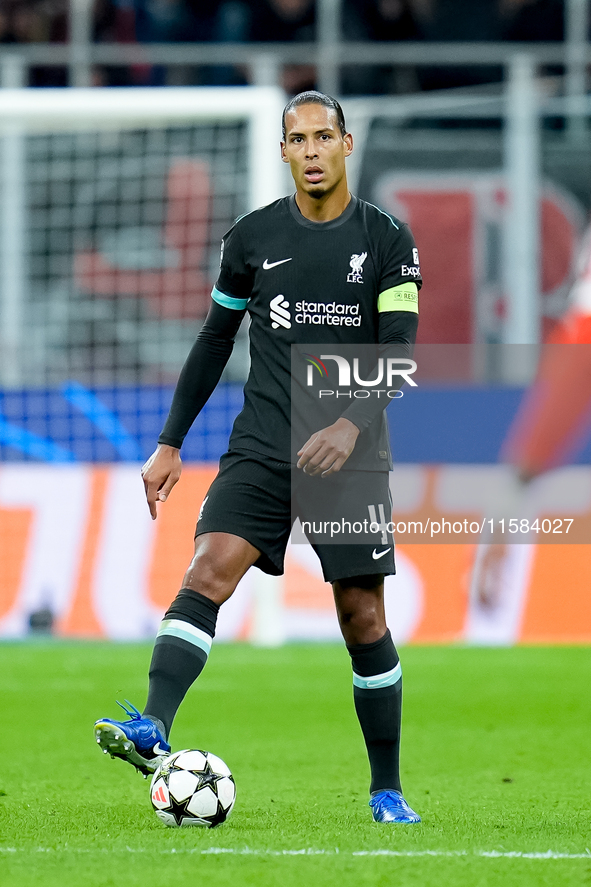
column 496, row 758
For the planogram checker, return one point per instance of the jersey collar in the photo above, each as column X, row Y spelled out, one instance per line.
column 325, row 226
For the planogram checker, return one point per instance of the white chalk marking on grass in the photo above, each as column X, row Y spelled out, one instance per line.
column 311, row 851
column 549, row 854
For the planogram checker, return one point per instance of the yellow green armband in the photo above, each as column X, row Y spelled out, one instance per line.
column 404, row 297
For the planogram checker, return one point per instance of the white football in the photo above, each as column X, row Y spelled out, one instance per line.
column 192, row 787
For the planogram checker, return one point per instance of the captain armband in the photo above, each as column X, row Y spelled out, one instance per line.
column 404, row 297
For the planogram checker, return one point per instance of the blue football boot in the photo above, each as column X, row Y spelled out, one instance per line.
column 138, row 741
column 390, row 806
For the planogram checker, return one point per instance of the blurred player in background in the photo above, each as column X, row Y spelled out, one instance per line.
column 553, row 421
column 332, row 249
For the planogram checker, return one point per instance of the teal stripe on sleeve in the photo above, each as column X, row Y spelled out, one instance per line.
column 228, row 301
column 378, row 680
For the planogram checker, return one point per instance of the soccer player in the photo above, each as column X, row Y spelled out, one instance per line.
column 552, row 422
column 324, row 267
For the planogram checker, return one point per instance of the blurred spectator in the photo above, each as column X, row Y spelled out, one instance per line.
column 534, row 19
column 282, row 21
column 230, row 21
column 171, row 21
column 286, row 21
column 164, row 21
column 114, row 22
column 33, row 21
column 461, row 20
column 381, row 20
column 14, row 28
column 23, row 22
column 144, row 21
column 104, row 21
column 36, row 21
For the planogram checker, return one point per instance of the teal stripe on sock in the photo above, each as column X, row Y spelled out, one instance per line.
column 373, row 682
column 187, row 632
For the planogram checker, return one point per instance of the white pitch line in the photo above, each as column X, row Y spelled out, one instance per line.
column 310, row 851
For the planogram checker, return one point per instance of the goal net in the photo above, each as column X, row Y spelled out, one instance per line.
column 113, row 205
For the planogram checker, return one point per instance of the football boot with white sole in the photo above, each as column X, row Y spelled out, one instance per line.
column 390, row 806
column 138, row 740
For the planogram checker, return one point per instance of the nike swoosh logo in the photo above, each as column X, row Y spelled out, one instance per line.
column 158, row 750
column 267, row 264
column 376, row 556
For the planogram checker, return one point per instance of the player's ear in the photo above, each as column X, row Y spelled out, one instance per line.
column 283, row 155
column 348, row 140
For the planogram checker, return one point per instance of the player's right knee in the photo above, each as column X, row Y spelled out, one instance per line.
column 212, row 575
column 211, row 581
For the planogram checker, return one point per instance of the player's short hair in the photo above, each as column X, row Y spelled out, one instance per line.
column 312, row 97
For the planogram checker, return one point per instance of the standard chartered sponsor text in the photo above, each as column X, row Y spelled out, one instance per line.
column 329, row 314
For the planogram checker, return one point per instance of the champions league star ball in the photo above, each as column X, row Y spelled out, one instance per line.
column 192, row 787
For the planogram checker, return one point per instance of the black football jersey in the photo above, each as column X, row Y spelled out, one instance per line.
column 316, row 283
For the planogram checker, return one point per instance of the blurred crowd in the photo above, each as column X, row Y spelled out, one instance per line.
column 240, row 21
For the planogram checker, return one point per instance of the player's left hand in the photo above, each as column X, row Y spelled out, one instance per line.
column 327, row 451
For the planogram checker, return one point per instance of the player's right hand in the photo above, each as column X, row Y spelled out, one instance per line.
column 160, row 474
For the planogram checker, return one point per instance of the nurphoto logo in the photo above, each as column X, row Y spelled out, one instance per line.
column 387, row 371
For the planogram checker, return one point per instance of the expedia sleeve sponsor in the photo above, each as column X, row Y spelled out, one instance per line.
column 399, row 262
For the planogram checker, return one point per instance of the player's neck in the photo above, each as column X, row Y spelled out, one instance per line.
column 324, row 209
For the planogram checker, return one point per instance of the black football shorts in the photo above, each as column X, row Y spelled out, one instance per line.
column 344, row 516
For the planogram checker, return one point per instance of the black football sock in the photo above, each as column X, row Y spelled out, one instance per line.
column 377, row 692
column 182, row 646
